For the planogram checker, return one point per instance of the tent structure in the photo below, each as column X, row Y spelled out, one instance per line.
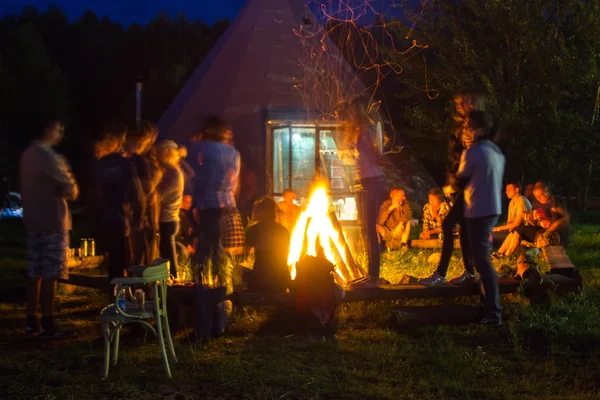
column 255, row 79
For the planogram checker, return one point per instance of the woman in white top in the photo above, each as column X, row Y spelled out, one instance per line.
column 170, row 191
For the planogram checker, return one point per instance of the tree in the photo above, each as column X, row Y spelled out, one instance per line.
column 537, row 60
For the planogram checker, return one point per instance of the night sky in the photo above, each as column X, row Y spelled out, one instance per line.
column 129, row 11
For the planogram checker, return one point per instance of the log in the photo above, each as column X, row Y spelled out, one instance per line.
column 431, row 243
column 90, row 281
column 454, row 314
column 85, row 262
column 385, row 292
column 558, row 260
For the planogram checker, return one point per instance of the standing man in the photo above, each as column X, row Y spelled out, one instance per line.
column 480, row 175
column 46, row 185
column 290, row 212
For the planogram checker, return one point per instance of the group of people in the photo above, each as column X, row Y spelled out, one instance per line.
column 158, row 197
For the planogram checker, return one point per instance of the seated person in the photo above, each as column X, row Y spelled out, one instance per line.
column 549, row 216
column 518, row 208
column 289, row 210
column 271, row 243
column 434, row 213
column 529, row 192
column 393, row 221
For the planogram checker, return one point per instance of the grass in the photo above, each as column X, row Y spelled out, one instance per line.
column 546, row 352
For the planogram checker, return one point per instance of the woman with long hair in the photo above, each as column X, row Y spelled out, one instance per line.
column 170, row 192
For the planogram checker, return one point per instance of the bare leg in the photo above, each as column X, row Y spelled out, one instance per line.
column 506, row 244
column 48, row 294
column 406, row 233
column 33, row 295
column 514, row 243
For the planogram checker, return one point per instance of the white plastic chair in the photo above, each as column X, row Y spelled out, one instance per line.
column 113, row 317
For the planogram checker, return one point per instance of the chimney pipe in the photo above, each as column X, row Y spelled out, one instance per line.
column 138, row 104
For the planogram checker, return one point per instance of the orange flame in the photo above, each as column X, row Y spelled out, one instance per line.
column 314, row 224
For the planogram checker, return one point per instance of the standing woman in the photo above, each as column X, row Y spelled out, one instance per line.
column 371, row 177
column 170, row 192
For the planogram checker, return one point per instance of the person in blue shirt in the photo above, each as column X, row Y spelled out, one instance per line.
column 217, row 166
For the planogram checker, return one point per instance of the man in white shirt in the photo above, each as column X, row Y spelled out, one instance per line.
column 518, row 208
column 480, row 174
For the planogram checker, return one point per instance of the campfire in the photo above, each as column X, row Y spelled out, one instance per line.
column 317, row 226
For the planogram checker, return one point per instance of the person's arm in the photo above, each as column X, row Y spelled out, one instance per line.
column 426, row 219
column 385, row 210
column 134, row 193
column 57, row 168
column 465, row 170
column 407, row 211
column 561, row 222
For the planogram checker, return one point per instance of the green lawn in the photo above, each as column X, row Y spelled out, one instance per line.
column 541, row 353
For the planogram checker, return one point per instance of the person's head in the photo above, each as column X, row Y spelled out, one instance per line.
column 448, row 192
column 435, row 197
column 216, row 130
column 529, row 190
column 397, row 194
column 150, row 130
column 289, row 196
column 183, row 152
column 186, row 202
column 513, row 189
column 264, row 208
column 541, row 191
column 107, row 144
column 167, row 153
column 480, row 126
column 52, row 132
column 468, row 101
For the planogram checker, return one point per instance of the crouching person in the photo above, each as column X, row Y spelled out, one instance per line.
column 434, row 213
column 317, row 296
column 271, row 242
column 393, row 221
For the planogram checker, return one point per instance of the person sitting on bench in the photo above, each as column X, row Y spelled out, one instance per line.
column 393, row 221
column 518, row 208
column 550, row 217
column 434, row 213
column 271, row 242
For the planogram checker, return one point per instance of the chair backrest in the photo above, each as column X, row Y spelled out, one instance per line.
column 158, row 271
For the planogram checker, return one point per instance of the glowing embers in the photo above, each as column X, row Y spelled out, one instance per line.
column 318, row 232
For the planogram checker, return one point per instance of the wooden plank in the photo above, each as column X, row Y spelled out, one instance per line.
column 411, row 316
column 557, row 258
column 90, row 281
column 384, row 292
column 431, row 243
column 85, row 262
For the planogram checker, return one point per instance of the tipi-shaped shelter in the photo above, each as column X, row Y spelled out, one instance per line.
column 254, row 78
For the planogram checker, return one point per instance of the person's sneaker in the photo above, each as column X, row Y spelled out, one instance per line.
column 55, row 334
column 434, row 280
column 403, row 248
column 491, row 321
column 32, row 327
column 466, row 277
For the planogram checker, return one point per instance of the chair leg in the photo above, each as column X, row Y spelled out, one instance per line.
column 106, row 333
column 116, row 344
column 161, row 343
column 169, row 338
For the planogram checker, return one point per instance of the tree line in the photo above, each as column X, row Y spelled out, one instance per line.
column 538, row 61
column 84, row 72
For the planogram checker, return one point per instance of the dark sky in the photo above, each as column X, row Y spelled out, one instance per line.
column 129, row 11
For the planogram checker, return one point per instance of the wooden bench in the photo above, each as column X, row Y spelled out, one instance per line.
column 431, row 243
column 558, row 260
column 91, row 262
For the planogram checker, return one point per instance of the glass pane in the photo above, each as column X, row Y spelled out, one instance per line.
column 337, row 164
column 281, row 159
column 303, row 159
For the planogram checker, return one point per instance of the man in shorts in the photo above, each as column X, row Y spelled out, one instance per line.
column 46, row 185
